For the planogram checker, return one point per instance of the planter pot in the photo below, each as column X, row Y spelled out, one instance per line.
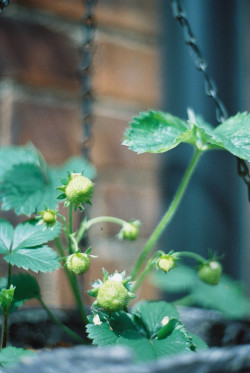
column 234, row 356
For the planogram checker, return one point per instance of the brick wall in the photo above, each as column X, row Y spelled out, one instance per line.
column 40, row 102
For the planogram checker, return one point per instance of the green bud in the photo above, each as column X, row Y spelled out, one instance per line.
column 130, row 231
column 112, row 296
column 6, row 298
column 78, row 263
column 49, row 217
column 166, row 262
column 210, row 272
column 79, row 189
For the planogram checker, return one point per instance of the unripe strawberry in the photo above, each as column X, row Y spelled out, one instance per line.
column 79, row 189
column 78, row 263
column 112, row 296
column 49, row 217
column 210, row 272
column 166, row 262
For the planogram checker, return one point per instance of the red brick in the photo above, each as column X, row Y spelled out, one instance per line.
column 34, row 55
column 136, row 15
column 107, row 151
column 55, row 130
column 126, row 72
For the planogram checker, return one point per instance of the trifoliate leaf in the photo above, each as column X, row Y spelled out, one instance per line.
column 42, row 259
column 139, row 329
column 156, row 132
column 11, row 355
column 30, row 234
column 6, row 236
column 234, row 134
column 26, row 285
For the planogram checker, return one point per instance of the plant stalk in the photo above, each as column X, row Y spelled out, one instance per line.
column 60, row 324
column 73, row 283
column 167, row 216
column 190, row 254
column 4, row 332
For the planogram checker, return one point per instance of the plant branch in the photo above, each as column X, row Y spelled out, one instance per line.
column 168, row 215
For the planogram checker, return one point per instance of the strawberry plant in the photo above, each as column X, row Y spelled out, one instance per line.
column 30, row 187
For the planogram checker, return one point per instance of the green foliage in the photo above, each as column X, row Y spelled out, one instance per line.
column 227, row 297
column 157, row 132
column 42, row 259
column 6, row 298
column 28, row 184
column 144, row 330
column 26, row 286
column 27, row 246
column 11, row 355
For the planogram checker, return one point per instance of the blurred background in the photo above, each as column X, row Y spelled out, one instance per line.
column 140, row 62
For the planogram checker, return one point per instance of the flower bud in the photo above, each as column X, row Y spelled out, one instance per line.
column 130, row 231
column 112, row 296
column 78, row 263
column 210, row 272
column 48, row 217
column 166, row 262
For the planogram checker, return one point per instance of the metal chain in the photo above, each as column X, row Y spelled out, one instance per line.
column 3, row 3
column 86, row 51
column 210, row 87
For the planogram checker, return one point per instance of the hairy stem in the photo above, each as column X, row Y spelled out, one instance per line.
column 168, row 215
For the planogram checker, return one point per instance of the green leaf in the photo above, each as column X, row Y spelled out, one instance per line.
column 6, row 236
column 27, row 287
column 153, row 314
column 156, row 132
column 11, row 355
column 28, row 184
column 226, row 297
column 30, row 234
column 234, row 134
column 74, row 164
column 139, row 331
column 102, row 335
column 22, row 189
column 148, row 349
column 199, row 343
column 180, row 279
column 42, row 259
column 12, row 155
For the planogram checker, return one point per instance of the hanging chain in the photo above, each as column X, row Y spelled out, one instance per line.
column 3, row 3
column 210, row 87
column 86, row 50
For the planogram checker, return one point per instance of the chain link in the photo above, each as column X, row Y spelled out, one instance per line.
column 210, row 87
column 3, row 3
column 86, row 50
